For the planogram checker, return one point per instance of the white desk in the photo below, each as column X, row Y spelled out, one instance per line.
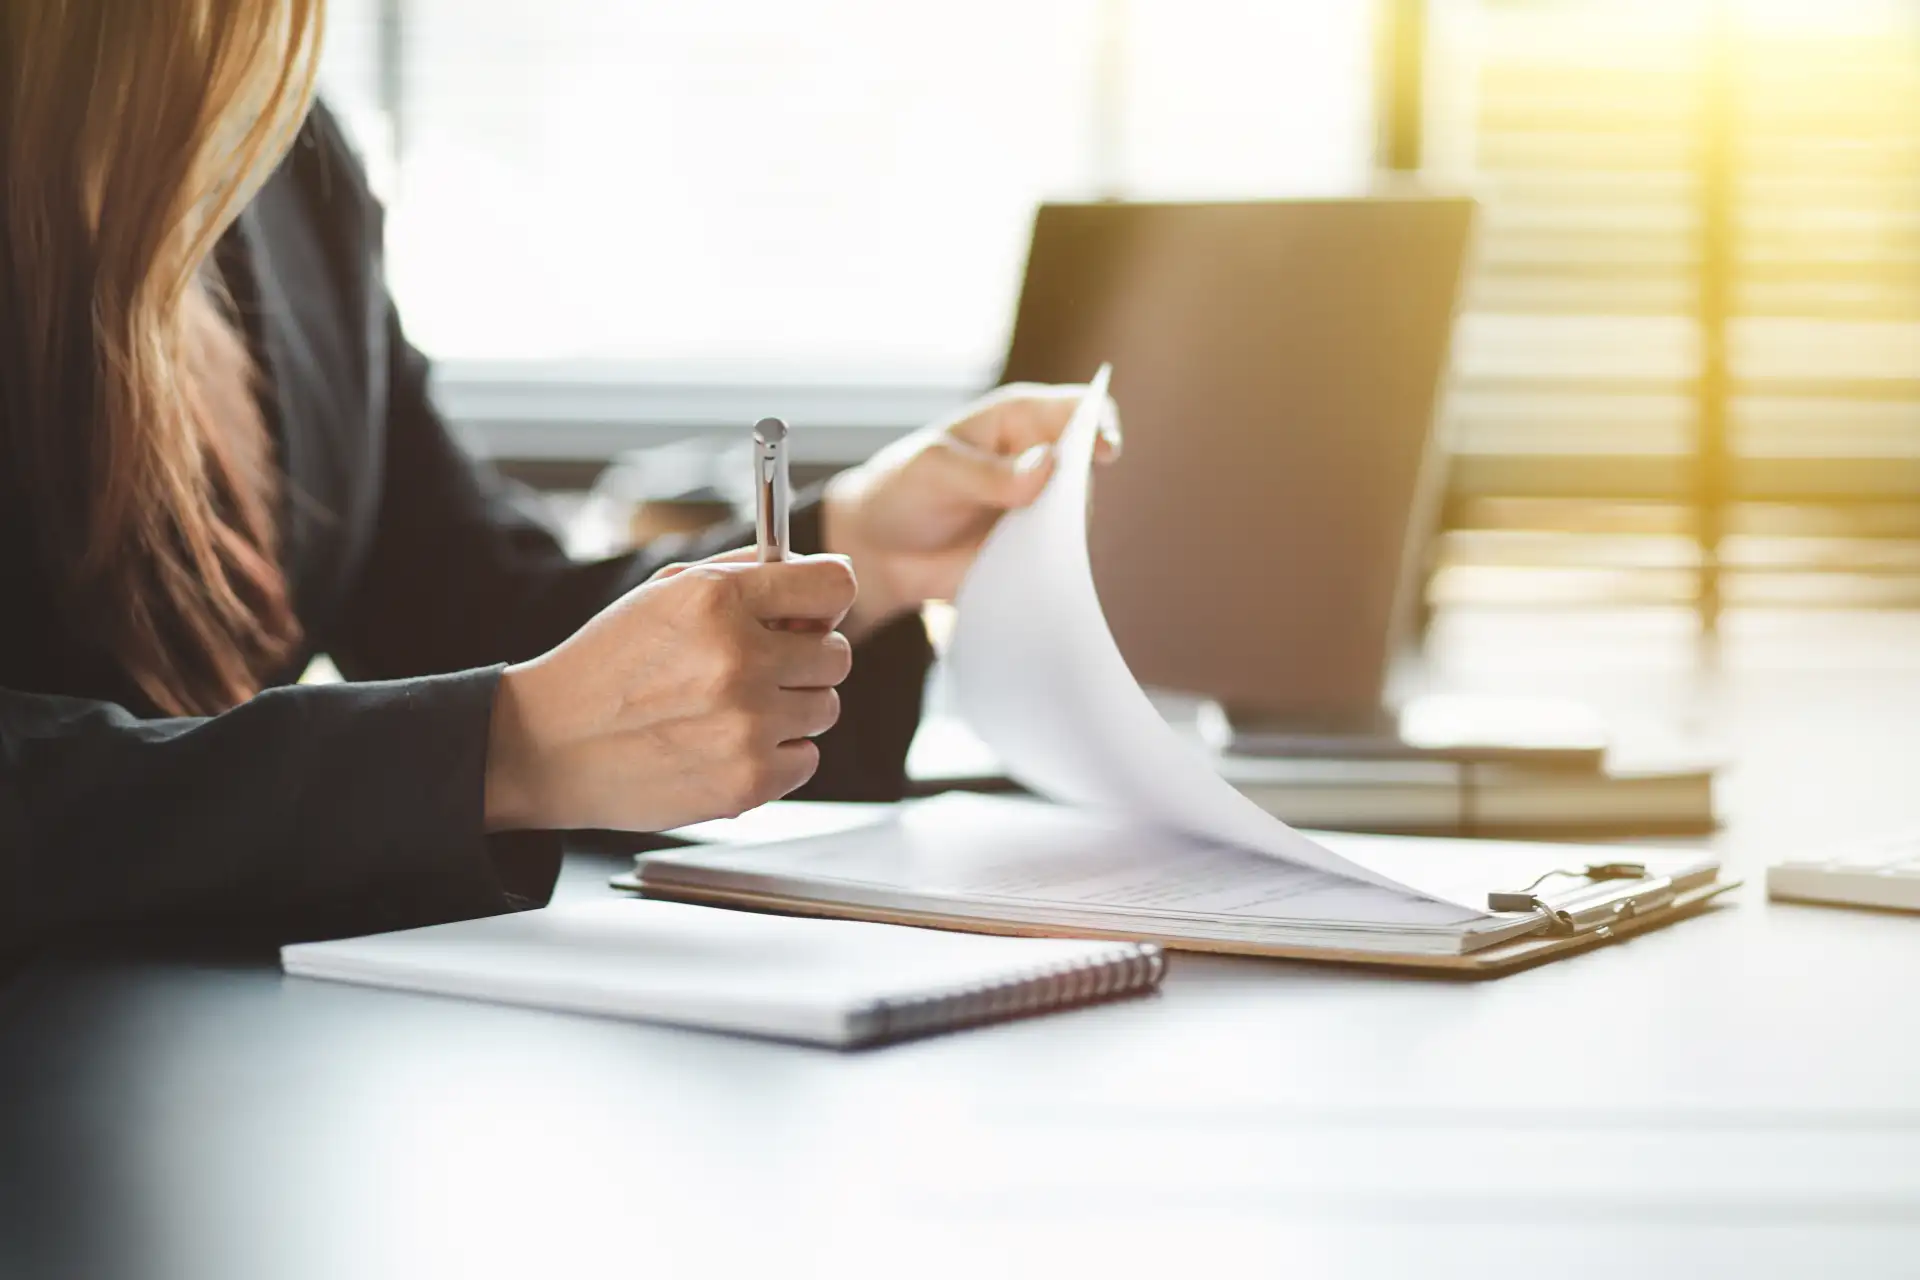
column 1735, row 1095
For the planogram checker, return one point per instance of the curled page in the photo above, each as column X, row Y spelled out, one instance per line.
column 1035, row 672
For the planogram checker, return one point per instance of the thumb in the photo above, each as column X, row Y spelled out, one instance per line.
column 992, row 479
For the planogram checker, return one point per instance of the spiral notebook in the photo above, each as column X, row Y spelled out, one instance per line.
column 831, row 982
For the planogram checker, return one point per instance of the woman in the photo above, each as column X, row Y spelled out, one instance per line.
column 218, row 458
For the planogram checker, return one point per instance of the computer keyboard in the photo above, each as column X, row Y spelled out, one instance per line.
column 1881, row 873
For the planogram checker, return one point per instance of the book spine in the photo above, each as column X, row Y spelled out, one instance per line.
column 1139, row 968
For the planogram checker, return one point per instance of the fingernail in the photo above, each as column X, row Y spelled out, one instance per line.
column 1031, row 460
column 1110, row 428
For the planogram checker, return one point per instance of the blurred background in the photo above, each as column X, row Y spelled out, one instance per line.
column 1687, row 378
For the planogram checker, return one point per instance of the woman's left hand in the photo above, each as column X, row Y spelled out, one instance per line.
column 912, row 517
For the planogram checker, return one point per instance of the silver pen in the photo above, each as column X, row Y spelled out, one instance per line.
column 772, row 490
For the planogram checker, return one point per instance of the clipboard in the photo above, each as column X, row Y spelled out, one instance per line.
column 1583, row 910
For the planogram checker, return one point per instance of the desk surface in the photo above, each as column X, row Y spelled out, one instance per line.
column 1736, row 1094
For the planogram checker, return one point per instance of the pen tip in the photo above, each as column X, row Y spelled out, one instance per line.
column 770, row 430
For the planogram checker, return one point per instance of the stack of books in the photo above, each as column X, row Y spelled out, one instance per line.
column 1478, row 798
column 1607, row 789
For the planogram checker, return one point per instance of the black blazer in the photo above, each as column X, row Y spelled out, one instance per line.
column 314, row 810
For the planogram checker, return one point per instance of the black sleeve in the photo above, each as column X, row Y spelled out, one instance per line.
column 460, row 573
column 304, row 812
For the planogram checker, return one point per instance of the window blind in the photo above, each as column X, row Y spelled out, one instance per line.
column 1689, row 371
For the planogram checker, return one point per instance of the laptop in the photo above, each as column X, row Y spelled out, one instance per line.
column 1277, row 364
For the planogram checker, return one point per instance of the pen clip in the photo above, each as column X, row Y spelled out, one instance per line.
column 772, row 490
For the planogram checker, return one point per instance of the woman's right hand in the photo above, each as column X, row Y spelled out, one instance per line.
column 694, row 696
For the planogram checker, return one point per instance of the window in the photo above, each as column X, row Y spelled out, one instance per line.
column 837, row 187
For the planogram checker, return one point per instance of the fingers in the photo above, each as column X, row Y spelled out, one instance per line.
column 1014, row 418
column 764, row 775
column 1107, row 447
column 805, row 660
column 1020, row 415
column 793, row 766
column 802, row 713
column 990, row 479
column 816, row 589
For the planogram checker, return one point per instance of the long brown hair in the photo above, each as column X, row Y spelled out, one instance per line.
column 131, row 132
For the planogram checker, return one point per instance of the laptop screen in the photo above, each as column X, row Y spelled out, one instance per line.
column 1276, row 364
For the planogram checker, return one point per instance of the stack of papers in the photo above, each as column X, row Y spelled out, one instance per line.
column 983, row 861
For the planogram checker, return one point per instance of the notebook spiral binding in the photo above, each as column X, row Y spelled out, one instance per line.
column 1037, row 990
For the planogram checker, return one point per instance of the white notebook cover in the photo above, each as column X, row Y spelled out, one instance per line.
column 832, row 982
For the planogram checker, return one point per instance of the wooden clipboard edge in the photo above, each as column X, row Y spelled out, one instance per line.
column 1492, row 962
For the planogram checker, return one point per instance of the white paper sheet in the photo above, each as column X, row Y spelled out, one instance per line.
column 1035, row 671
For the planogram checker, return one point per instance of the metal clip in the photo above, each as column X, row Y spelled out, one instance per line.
column 1614, row 893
